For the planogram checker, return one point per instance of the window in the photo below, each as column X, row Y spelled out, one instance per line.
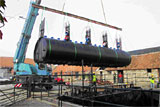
column 149, row 70
column 101, row 73
column 109, row 72
column 77, row 74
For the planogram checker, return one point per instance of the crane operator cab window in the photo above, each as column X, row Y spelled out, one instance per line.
column 47, row 67
column 41, row 66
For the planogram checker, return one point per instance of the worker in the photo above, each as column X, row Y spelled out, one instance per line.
column 88, row 40
column 105, row 44
column 152, row 81
column 88, row 36
column 114, row 77
column 67, row 32
column 120, row 77
column 94, row 79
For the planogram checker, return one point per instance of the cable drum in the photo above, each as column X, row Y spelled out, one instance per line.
column 65, row 52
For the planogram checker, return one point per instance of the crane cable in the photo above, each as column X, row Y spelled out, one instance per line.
column 103, row 12
column 104, row 15
column 63, row 18
column 43, row 18
column 64, row 5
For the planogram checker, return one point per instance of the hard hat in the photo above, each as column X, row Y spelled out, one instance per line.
column 152, row 74
column 94, row 72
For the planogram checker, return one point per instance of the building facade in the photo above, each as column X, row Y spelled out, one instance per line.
column 138, row 72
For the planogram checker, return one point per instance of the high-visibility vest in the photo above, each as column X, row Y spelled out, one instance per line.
column 94, row 78
column 152, row 80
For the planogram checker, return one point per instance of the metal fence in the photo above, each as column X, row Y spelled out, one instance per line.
column 128, row 92
column 138, row 80
column 11, row 95
column 83, row 92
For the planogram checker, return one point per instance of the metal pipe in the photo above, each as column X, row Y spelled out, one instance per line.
column 59, row 95
column 82, row 78
column 41, row 89
column 61, row 88
column 14, row 95
column 91, row 76
column 72, row 83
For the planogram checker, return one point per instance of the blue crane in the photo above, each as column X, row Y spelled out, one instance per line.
column 21, row 68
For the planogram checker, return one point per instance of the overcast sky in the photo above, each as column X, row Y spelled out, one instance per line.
column 139, row 19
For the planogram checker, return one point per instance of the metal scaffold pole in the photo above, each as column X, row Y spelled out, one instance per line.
column 72, row 83
column 82, row 82
column 82, row 76
column 61, row 89
column 91, row 74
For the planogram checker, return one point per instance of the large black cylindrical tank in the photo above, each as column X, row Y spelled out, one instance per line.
column 65, row 52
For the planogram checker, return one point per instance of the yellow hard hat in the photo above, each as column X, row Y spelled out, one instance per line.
column 94, row 72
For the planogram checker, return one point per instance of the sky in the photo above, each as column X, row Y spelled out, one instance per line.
column 139, row 20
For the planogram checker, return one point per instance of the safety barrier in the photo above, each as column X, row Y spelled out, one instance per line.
column 10, row 96
column 83, row 92
column 115, row 94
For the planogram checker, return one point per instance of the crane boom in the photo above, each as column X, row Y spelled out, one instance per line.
column 26, row 34
column 22, row 45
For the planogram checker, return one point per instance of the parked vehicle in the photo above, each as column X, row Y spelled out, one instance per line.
column 3, row 79
column 59, row 81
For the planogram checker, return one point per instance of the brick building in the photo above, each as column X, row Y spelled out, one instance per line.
column 144, row 63
column 75, row 70
column 6, row 63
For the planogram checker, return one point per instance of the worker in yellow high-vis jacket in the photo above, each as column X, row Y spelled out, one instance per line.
column 94, row 79
column 152, row 81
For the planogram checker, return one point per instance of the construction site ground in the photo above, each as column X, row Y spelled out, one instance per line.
column 37, row 100
column 46, row 101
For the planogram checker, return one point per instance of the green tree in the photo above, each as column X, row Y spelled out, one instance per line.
column 2, row 7
column 2, row 18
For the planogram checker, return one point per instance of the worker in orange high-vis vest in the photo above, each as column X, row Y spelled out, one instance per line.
column 152, row 81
